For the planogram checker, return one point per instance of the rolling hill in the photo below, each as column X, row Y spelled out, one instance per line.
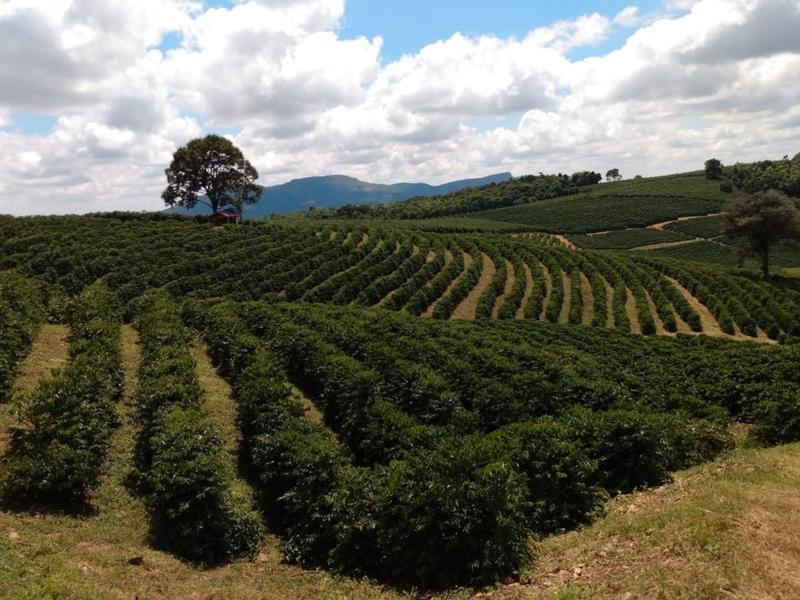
column 332, row 191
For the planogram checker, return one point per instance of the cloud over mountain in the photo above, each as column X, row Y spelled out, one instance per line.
column 710, row 77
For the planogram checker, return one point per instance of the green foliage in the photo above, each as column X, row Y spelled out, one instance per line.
column 587, row 213
column 713, row 169
column 212, row 166
column 179, row 456
column 778, row 419
column 58, row 449
column 781, row 175
column 762, row 221
column 21, row 312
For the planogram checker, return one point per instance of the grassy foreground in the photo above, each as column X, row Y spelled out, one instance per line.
column 723, row 530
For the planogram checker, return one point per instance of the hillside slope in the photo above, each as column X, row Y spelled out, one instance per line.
column 723, row 530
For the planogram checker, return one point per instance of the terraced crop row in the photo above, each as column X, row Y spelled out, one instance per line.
column 444, row 276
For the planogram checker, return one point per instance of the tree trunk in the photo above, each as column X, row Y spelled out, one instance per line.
column 765, row 262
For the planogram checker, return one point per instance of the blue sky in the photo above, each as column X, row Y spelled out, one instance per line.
column 408, row 25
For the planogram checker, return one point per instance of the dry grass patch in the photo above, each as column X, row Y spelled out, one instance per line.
column 50, row 351
column 566, row 303
column 723, row 530
column 526, row 296
column 468, row 307
column 633, row 313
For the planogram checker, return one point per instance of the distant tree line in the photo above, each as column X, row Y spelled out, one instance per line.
column 521, row 190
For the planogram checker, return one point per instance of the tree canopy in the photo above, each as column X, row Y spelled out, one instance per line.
column 613, row 175
column 761, row 221
column 782, row 175
column 212, row 166
column 713, row 168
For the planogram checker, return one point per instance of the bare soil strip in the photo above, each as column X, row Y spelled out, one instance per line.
column 528, row 292
column 609, row 304
column 548, row 284
column 50, row 351
column 467, row 263
column 467, row 308
column 510, row 280
column 566, row 303
column 313, row 413
column 587, row 315
column 663, row 245
column 633, row 313
column 709, row 324
column 431, row 256
column 664, row 224
column 660, row 329
column 364, row 240
column 565, row 242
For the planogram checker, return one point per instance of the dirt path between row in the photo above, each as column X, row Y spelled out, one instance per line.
column 609, row 304
column 466, row 310
column 548, row 291
column 708, row 322
column 467, row 263
column 569, row 245
column 511, row 279
column 221, row 409
column 663, row 245
column 526, row 296
column 50, row 351
column 566, row 303
column 587, row 313
column 633, row 313
column 661, row 226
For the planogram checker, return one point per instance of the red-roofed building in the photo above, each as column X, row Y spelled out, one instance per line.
column 226, row 216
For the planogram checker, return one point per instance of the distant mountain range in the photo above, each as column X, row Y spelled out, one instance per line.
column 337, row 190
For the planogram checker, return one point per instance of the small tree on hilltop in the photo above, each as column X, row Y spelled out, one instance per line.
column 213, row 166
column 761, row 221
column 613, row 175
column 713, row 169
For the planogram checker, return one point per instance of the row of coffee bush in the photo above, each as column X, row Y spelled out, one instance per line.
column 180, row 466
column 455, row 506
column 21, row 313
column 59, row 446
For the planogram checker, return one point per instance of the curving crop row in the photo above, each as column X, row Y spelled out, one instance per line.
column 403, row 267
column 496, row 286
column 448, row 302
column 511, row 304
column 425, row 296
